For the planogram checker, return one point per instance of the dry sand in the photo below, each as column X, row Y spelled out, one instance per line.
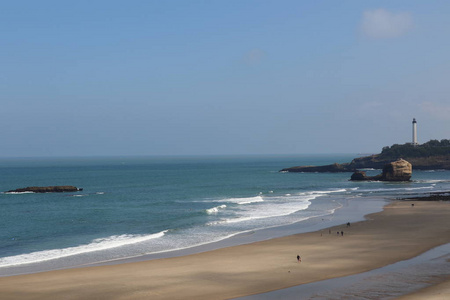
column 400, row 232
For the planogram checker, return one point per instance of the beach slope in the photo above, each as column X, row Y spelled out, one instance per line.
column 400, row 232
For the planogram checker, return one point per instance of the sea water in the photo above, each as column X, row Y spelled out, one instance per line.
column 132, row 206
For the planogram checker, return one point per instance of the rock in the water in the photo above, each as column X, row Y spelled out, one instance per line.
column 359, row 175
column 399, row 170
column 46, row 189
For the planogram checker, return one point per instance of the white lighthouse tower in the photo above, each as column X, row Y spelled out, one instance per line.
column 414, row 132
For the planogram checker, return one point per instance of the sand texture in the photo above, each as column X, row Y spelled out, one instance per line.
column 400, row 232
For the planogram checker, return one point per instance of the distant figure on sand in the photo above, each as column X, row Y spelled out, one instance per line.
column 342, row 233
column 348, row 224
column 299, row 259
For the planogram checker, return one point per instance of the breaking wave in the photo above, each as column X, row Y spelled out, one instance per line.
column 95, row 245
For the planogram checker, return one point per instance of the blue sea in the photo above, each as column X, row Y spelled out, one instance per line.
column 133, row 206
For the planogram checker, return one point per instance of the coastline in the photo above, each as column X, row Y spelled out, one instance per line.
column 350, row 210
column 400, row 232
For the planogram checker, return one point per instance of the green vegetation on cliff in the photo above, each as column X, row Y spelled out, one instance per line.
column 431, row 148
column 431, row 155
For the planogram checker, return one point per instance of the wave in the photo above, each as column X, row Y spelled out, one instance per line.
column 18, row 193
column 395, row 189
column 95, row 245
column 325, row 192
column 243, row 200
column 433, row 181
column 272, row 207
column 215, row 209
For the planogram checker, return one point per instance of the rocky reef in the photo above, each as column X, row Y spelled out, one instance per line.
column 399, row 170
column 435, row 196
column 46, row 189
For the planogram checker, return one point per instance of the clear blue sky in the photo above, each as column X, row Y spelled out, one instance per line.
column 221, row 77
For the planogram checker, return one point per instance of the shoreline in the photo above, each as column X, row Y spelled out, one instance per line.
column 350, row 210
column 401, row 231
column 427, row 270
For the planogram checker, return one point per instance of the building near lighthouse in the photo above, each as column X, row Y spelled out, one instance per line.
column 414, row 132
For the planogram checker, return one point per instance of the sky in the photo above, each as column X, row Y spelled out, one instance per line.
column 94, row 78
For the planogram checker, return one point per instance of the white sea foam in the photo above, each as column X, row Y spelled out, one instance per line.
column 95, row 245
column 397, row 189
column 18, row 193
column 243, row 200
column 215, row 209
column 320, row 193
column 420, row 188
column 433, row 181
column 272, row 209
column 273, row 206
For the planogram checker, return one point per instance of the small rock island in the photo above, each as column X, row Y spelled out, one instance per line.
column 47, row 189
column 399, row 170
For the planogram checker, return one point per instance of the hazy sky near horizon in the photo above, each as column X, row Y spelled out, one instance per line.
column 82, row 78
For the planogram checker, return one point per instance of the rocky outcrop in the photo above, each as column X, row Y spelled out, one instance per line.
column 46, row 189
column 419, row 163
column 334, row 168
column 377, row 162
column 359, row 176
column 436, row 196
column 399, row 170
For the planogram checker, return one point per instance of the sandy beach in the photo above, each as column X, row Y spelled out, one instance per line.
column 400, row 232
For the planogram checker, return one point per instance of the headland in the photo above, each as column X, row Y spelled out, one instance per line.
column 433, row 155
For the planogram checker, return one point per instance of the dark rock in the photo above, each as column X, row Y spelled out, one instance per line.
column 46, row 189
column 359, row 175
column 334, row 168
column 435, row 196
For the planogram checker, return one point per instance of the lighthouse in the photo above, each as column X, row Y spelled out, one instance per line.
column 414, row 132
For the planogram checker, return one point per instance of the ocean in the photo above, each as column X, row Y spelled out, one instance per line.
column 134, row 206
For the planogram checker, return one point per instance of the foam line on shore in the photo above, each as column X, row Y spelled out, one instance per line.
column 96, row 245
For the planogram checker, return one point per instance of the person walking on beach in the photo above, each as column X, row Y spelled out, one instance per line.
column 299, row 259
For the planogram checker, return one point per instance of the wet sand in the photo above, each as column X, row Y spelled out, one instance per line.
column 400, row 232
column 439, row 291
